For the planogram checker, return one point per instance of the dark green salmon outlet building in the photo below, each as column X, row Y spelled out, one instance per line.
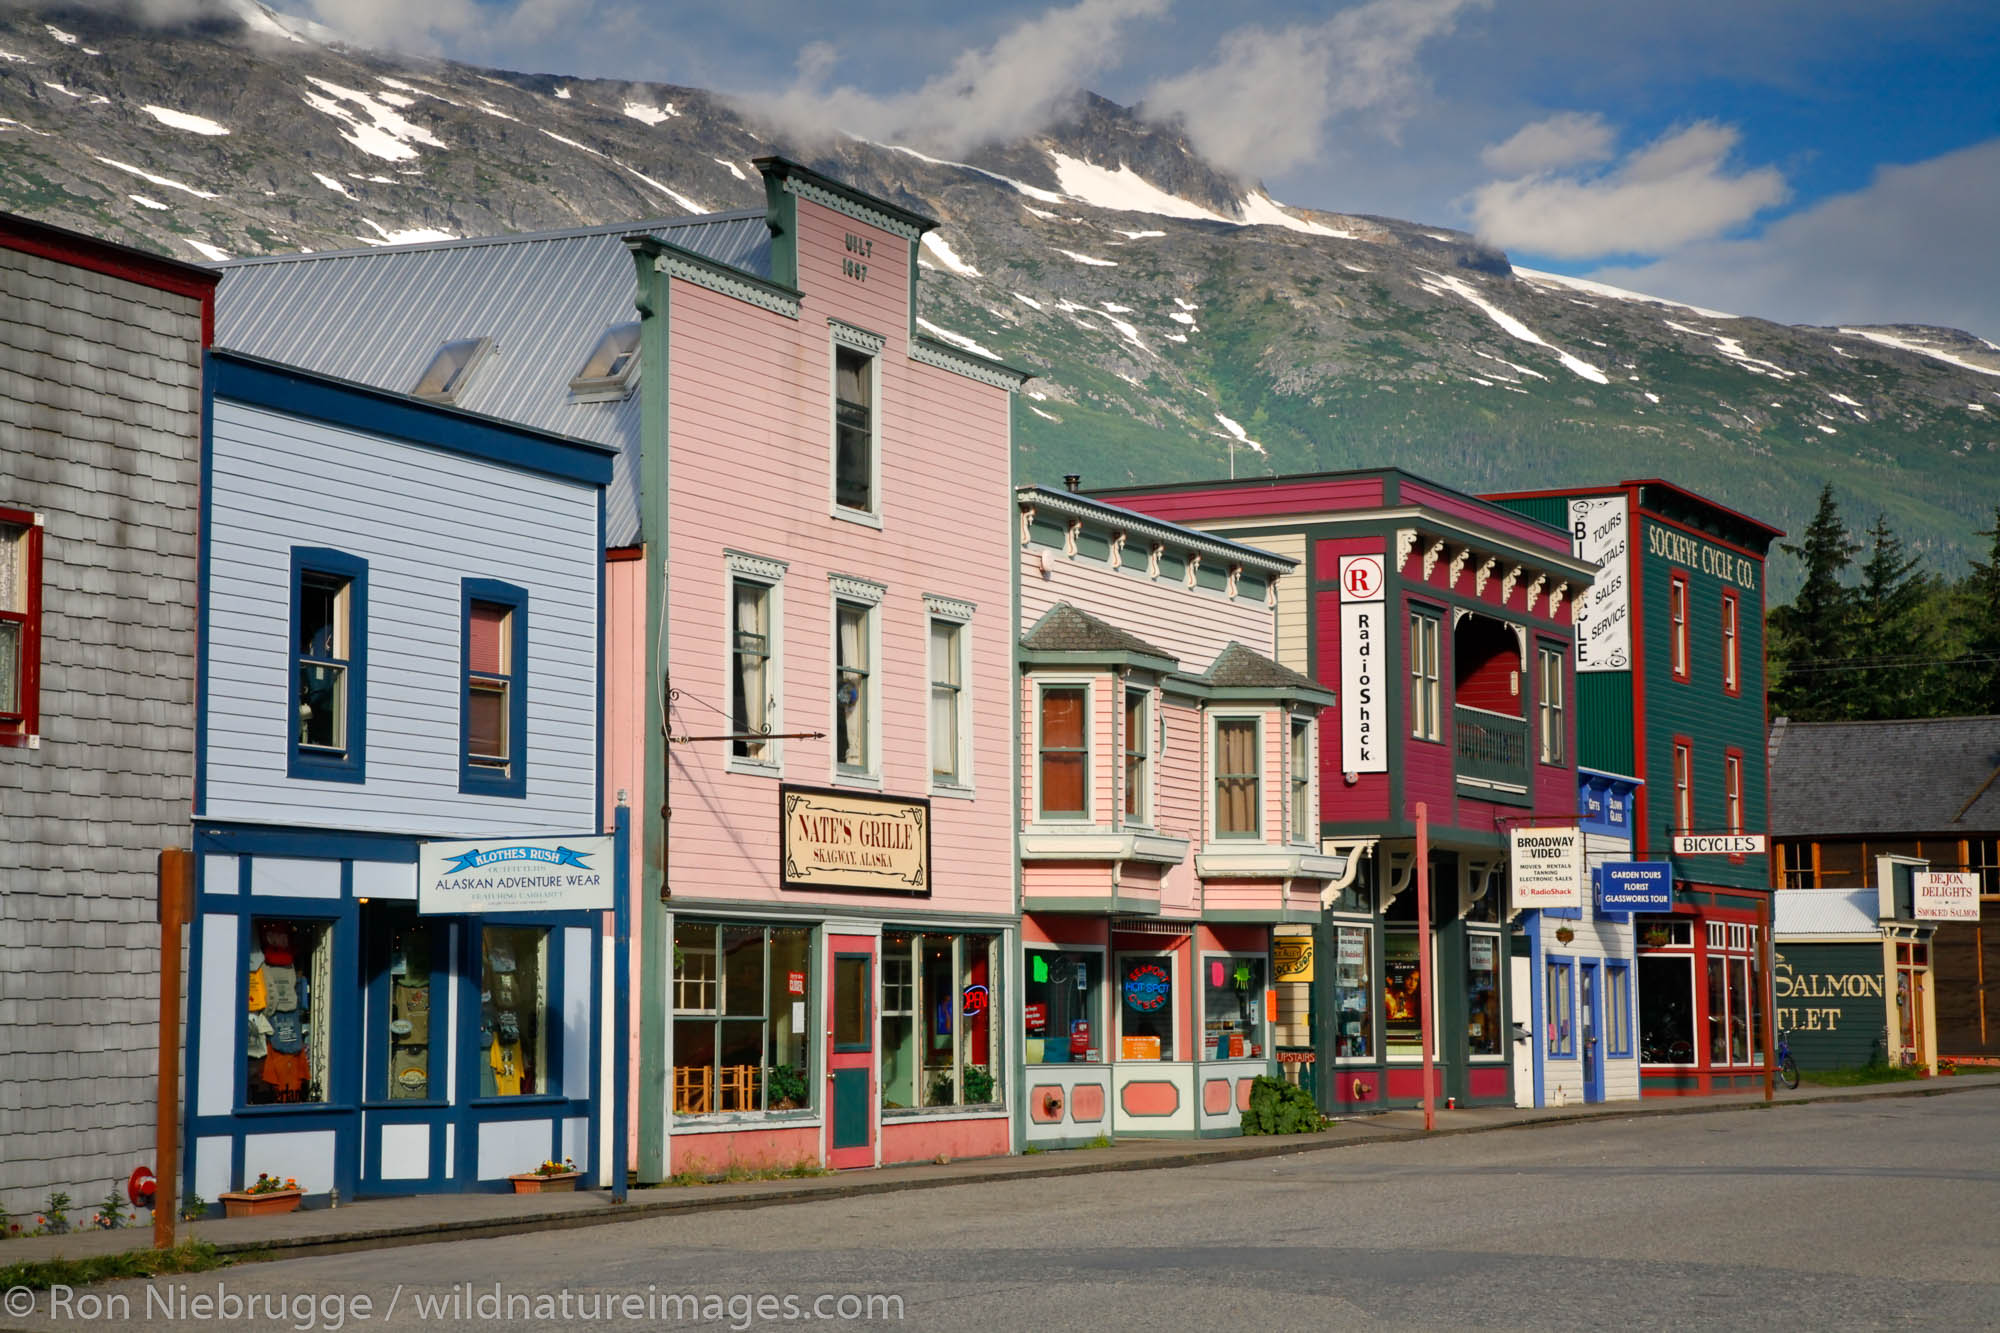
column 1670, row 690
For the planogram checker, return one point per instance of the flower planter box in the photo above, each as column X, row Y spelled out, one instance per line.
column 528, row 1182
column 242, row 1204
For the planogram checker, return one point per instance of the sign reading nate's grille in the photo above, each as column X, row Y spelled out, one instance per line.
column 843, row 841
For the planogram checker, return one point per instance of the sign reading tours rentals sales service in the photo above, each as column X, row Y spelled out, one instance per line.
column 1364, row 713
column 1547, row 866
column 515, row 875
column 840, row 840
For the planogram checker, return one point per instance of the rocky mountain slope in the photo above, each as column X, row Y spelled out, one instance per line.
column 1184, row 324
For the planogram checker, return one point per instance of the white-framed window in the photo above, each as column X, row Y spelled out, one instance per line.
column 1062, row 750
column 1732, row 790
column 1677, row 616
column 1237, row 750
column 1425, row 699
column 1138, row 755
column 950, row 717
column 1305, row 816
column 1550, row 704
column 1683, row 787
column 755, row 652
column 857, row 424
column 1148, row 1003
column 856, row 679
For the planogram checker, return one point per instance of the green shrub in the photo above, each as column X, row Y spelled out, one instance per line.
column 1276, row 1107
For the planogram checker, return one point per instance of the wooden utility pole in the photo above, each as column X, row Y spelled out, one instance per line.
column 176, row 885
column 1425, row 1017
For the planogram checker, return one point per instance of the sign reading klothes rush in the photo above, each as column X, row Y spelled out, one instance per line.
column 1944, row 895
column 1547, row 865
column 515, row 875
column 1718, row 844
column 845, row 841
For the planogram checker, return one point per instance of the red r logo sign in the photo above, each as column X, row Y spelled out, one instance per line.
column 1361, row 578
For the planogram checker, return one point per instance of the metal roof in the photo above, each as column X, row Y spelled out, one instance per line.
column 1825, row 912
column 377, row 316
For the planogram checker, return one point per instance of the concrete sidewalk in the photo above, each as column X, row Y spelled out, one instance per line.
column 432, row 1217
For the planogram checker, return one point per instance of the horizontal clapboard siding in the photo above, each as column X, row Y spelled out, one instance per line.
column 423, row 520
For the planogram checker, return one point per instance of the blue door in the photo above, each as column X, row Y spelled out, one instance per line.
column 1590, row 1020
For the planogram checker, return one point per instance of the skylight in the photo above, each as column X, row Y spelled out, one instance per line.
column 451, row 368
column 607, row 372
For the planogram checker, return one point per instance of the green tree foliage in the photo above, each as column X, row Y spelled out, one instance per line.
column 1812, row 633
column 1977, row 622
column 1893, row 639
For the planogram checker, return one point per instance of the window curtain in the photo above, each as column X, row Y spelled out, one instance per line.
column 1062, row 752
column 852, row 687
column 1236, row 777
column 945, row 685
column 752, row 701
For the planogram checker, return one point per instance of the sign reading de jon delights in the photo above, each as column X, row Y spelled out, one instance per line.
column 866, row 844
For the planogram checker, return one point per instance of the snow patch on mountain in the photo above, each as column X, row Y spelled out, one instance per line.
column 66, row 38
column 338, row 187
column 1032, row 191
column 680, row 200
column 145, row 175
column 1441, row 284
column 1091, row 260
column 1908, row 345
column 1614, row 293
column 59, row 88
column 408, row 236
column 1029, row 301
column 382, row 134
column 144, row 202
column 957, row 339
column 1124, row 190
column 941, row 250
column 649, row 115
column 734, row 170
column 1733, row 349
column 1139, row 235
column 1260, row 209
column 182, row 120
column 1236, row 430
column 213, row 253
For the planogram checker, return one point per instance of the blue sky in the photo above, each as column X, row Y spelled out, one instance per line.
column 1828, row 162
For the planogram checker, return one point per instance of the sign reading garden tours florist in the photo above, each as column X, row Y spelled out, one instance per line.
column 839, row 840
column 1547, row 866
column 515, row 875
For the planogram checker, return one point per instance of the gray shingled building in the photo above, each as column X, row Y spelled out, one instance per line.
column 100, row 475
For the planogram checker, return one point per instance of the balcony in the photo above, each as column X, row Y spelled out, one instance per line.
column 1492, row 756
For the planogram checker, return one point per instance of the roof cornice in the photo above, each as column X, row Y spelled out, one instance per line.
column 1072, row 505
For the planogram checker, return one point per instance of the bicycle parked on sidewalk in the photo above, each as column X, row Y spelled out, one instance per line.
column 1788, row 1071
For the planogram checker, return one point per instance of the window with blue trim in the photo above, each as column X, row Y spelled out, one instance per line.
column 1618, row 1009
column 329, row 676
column 493, row 701
column 1559, row 1001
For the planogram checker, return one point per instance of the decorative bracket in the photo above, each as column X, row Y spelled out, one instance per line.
column 1406, row 542
column 1479, row 580
column 1194, row 563
column 1556, row 599
column 1458, row 565
column 1027, row 523
column 1235, row 576
column 1117, row 549
column 1070, row 534
column 1153, row 559
column 1507, row 584
column 1535, row 591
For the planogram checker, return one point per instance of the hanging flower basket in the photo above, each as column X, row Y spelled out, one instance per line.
column 1565, row 934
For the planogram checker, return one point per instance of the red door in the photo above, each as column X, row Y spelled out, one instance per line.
column 850, row 1052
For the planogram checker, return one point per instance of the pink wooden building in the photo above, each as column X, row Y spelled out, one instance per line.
column 1169, row 819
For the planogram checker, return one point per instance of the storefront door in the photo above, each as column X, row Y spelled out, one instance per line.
column 1593, row 1057
column 850, row 1057
column 407, row 977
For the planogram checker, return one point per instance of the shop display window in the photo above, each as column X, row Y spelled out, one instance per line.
column 742, row 1010
column 1618, row 1009
column 1559, row 1007
column 1147, row 1000
column 1353, row 1003
column 1402, row 1003
column 1666, row 1009
column 1482, row 994
column 288, row 994
column 938, row 1038
column 406, row 949
column 1062, row 998
column 1232, row 1006
column 514, row 1011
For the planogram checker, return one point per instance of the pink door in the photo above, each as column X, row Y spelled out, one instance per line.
column 850, row 1052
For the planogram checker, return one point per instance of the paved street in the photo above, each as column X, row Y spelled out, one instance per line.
column 1874, row 1214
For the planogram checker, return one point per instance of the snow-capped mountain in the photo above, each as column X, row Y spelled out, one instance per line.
column 1183, row 322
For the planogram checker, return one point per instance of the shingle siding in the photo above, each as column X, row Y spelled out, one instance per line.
column 101, row 377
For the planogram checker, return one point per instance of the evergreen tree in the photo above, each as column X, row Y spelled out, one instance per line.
column 1815, row 630
column 1979, row 626
column 1892, row 639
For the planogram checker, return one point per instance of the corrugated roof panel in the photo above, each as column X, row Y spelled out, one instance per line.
column 378, row 317
column 1801, row 912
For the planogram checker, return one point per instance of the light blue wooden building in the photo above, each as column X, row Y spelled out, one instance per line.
column 400, row 641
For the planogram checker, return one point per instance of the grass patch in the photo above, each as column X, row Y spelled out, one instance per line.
column 737, row 1173
column 1860, row 1075
column 192, row 1256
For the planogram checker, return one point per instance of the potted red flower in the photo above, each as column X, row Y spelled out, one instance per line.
column 548, row 1178
column 268, row 1195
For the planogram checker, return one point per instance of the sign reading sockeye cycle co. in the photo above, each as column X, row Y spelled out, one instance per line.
column 866, row 844
column 515, row 875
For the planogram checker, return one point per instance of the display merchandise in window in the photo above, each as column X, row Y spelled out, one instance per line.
column 742, row 1007
column 1482, row 994
column 286, row 995
column 1146, row 1007
column 1402, row 1001
column 1062, row 1006
column 514, row 1011
column 1232, row 1006
column 402, row 945
column 1353, row 1005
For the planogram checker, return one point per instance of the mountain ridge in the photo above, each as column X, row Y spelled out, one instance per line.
column 1184, row 322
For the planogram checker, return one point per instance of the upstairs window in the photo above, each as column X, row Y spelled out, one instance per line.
column 1549, row 704
column 1732, row 680
column 445, row 378
column 1064, row 752
column 1424, row 694
column 853, row 687
column 609, row 370
column 1303, row 821
column 1138, row 754
column 854, row 460
column 1683, row 786
column 20, row 626
column 493, row 725
column 948, row 766
column 1732, row 789
column 750, row 669
column 1677, row 615
column 329, row 714
column 1237, row 778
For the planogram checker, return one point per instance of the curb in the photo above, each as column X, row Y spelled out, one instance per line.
column 889, row 1180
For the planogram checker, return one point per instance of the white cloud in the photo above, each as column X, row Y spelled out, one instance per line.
column 1914, row 246
column 1264, row 105
column 1678, row 190
column 1002, row 91
column 1566, row 140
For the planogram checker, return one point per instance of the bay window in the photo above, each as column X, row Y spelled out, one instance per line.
column 1238, row 778
column 1063, row 760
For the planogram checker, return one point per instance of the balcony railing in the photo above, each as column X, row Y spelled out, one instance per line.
column 1492, row 754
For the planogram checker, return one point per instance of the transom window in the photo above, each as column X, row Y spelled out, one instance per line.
column 854, row 429
column 1237, row 778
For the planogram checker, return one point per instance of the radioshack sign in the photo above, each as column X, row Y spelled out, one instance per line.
column 1547, row 865
column 1364, row 716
